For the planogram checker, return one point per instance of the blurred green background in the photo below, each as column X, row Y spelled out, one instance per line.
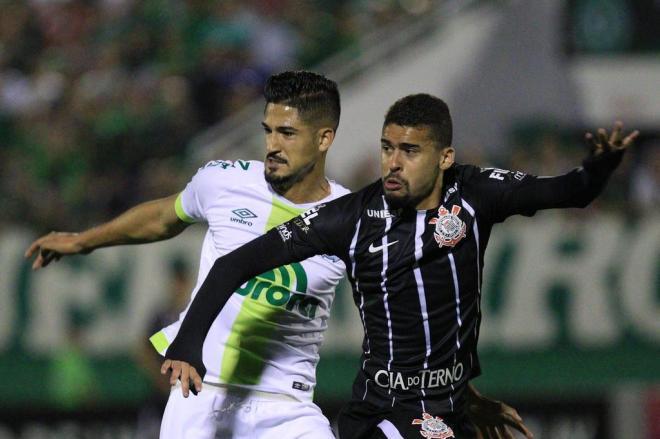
column 104, row 104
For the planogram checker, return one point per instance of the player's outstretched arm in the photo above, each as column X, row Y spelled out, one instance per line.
column 493, row 418
column 147, row 222
column 605, row 155
column 577, row 188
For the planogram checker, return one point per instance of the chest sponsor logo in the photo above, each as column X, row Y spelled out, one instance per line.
column 433, row 427
column 242, row 216
column 284, row 287
column 376, row 248
column 449, row 228
column 424, row 379
column 382, row 214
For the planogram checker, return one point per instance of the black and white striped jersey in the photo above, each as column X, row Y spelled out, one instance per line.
column 416, row 275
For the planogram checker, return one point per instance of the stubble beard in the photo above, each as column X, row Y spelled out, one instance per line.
column 408, row 200
column 281, row 184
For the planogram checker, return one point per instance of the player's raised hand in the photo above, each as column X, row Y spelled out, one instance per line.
column 52, row 247
column 190, row 379
column 601, row 143
column 493, row 419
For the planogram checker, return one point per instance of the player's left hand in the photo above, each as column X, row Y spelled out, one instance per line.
column 190, row 379
column 493, row 419
column 604, row 144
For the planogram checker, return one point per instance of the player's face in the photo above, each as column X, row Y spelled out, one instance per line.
column 292, row 146
column 412, row 166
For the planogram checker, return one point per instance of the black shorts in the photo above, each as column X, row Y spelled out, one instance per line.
column 363, row 420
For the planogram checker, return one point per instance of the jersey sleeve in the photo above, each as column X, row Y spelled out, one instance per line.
column 492, row 189
column 320, row 230
column 206, row 185
column 192, row 202
column 502, row 193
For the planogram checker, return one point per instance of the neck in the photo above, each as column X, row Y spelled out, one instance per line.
column 432, row 200
column 313, row 187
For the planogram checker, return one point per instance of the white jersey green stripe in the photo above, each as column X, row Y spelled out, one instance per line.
column 268, row 335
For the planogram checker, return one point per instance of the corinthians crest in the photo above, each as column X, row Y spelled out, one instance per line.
column 433, row 427
column 449, row 228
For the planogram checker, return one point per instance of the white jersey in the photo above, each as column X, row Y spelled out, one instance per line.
column 268, row 335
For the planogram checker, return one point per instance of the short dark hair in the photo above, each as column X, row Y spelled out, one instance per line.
column 314, row 96
column 423, row 109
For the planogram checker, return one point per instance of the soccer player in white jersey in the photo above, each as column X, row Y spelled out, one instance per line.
column 262, row 350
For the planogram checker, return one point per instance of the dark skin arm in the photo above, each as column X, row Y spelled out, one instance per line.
column 493, row 419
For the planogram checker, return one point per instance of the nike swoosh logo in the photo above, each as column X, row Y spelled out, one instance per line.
column 374, row 249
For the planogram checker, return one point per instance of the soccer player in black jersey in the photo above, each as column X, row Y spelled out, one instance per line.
column 413, row 244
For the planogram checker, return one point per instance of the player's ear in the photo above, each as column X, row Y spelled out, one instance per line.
column 325, row 138
column 446, row 157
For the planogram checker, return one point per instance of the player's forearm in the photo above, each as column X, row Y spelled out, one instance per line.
column 146, row 222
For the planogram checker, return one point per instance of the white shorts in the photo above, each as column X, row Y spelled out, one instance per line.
column 234, row 413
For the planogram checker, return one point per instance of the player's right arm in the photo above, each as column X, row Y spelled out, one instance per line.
column 147, row 222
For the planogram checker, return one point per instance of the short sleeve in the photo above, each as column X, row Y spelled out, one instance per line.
column 191, row 203
column 181, row 211
column 194, row 201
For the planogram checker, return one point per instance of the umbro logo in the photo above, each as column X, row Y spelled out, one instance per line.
column 243, row 215
column 375, row 249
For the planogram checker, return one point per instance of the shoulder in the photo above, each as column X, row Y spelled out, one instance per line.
column 467, row 174
column 233, row 167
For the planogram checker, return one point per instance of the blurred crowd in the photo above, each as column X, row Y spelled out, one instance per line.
column 98, row 98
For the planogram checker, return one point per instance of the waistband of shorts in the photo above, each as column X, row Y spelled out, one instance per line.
column 260, row 394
